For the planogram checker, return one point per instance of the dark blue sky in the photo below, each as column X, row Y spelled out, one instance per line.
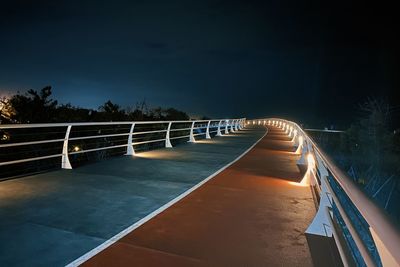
column 311, row 61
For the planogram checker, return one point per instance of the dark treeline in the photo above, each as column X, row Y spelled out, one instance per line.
column 369, row 150
column 40, row 107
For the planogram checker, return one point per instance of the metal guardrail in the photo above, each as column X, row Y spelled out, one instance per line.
column 363, row 233
column 202, row 127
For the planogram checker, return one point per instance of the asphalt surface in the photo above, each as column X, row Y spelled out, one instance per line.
column 252, row 214
column 51, row 219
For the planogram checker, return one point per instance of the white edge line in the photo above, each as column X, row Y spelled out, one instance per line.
column 137, row 224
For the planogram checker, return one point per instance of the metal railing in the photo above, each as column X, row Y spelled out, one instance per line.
column 58, row 137
column 363, row 233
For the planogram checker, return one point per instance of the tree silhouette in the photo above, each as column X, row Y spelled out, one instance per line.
column 34, row 107
column 111, row 112
column 39, row 107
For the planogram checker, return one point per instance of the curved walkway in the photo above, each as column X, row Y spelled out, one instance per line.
column 53, row 218
column 251, row 214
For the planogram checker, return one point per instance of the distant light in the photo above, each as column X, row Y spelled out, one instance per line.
column 5, row 137
column 76, row 148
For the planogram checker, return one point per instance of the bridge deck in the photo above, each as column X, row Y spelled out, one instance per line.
column 248, row 215
column 50, row 219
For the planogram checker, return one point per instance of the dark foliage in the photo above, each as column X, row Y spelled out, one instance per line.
column 39, row 107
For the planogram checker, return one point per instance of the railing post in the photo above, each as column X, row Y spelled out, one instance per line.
column 321, row 232
column 300, row 146
column 191, row 136
column 294, row 135
column 304, row 149
column 129, row 149
column 232, row 129
column 167, row 137
column 65, row 163
column 208, row 130
column 226, row 127
column 219, row 128
column 236, row 125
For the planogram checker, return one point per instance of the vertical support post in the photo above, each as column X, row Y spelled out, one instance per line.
column 300, row 145
column 236, row 125
column 219, row 129
column 294, row 135
column 129, row 149
column 226, row 127
column 167, row 138
column 208, row 130
column 65, row 164
column 191, row 136
column 232, row 129
column 303, row 151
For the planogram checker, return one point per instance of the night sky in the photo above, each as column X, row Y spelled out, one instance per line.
column 308, row 61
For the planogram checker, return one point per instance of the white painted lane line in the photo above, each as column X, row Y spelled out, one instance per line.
column 137, row 224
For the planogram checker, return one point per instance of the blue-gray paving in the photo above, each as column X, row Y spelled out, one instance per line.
column 51, row 219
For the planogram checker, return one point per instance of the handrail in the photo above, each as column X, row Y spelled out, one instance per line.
column 65, row 124
column 372, row 213
column 196, row 125
column 382, row 229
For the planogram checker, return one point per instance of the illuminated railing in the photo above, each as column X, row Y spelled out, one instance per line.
column 130, row 134
column 362, row 232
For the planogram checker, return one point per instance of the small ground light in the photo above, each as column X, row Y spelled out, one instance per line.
column 5, row 137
